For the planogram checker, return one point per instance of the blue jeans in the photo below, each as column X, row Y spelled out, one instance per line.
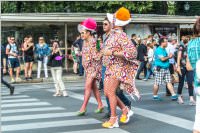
column 149, row 71
column 141, row 68
column 81, row 69
column 102, row 85
column 119, row 93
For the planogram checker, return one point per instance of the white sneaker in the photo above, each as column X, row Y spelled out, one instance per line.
column 18, row 79
column 65, row 94
column 12, row 80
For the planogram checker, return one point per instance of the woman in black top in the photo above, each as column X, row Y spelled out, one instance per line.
column 28, row 49
column 184, row 70
column 56, row 70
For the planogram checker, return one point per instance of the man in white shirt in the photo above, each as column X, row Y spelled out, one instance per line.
column 171, row 49
column 13, row 61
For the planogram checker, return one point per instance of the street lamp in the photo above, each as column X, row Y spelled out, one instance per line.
column 186, row 6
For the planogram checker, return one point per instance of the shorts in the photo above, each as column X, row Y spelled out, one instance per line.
column 28, row 59
column 162, row 76
column 13, row 62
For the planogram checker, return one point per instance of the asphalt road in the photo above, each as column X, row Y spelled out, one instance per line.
column 33, row 109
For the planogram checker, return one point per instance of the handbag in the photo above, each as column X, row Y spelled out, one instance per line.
column 148, row 65
column 175, row 78
column 188, row 66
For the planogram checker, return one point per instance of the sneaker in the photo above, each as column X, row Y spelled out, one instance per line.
column 145, row 79
column 12, row 80
column 180, row 100
column 18, row 79
column 12, row 89
column 157, row 98
column 65, row 94
column 174, row 98
column 192, row 103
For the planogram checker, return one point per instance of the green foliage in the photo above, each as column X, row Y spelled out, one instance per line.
column 141, row 7
column 67, row 6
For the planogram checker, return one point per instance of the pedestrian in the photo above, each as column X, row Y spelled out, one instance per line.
column 79, row 44
column 150, row 58
column 3, row 70
column 91, row 63
column 75, row 52
column 194, row 58
column 184, row 69
column 171, row 49
column 142, row 57
column 107, row 26
column 119, row 57
column 43, row 51
column 134, row 39
column 28, row 51
column 55, row 62
column 13, row 59
column 162, row 73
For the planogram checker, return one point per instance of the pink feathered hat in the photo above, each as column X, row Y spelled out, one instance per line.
column 88, row 24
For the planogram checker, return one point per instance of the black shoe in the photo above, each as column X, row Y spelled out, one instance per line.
column 30, row 78
column 80, row 74
column 26, row 79
column 167, row 94
column 138, row 78
column 12, row 89
column 106, row 116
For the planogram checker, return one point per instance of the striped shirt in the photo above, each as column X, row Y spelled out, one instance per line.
column 194, row 54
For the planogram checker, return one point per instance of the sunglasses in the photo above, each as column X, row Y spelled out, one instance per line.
column 105, row 24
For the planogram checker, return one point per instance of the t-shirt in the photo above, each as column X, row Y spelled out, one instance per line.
column 13, row 49
column 160, row 53
column 56, row 63
column 183, row 50
column 171, row 49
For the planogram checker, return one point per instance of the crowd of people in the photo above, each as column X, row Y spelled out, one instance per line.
column 116, row 61
column 121, row 60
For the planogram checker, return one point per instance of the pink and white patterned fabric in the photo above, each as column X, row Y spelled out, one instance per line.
column 123, row 69
column 92, row 62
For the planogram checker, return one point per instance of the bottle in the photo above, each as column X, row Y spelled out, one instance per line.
column 98, row 45
column 74, row 55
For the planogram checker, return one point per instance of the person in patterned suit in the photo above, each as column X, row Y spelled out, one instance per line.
column 119, row 57
column 92, row 63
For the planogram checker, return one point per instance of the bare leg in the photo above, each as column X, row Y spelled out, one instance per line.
column 171, row 88
column 88, row 90
column 30, row 69
column 155, row 89
column 97, row 94
column 17, row 72
column 11, row 73
column 26, row 70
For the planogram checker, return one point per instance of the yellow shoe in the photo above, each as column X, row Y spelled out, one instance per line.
column 126, row 118
column 108, row 124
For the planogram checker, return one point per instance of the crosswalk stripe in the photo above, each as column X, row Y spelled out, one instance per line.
column 114, row 130
column 31, row 110
column 39, row 125
column 24, row 104
column 172, row 120
column 38, row 116
column 19, row 100
column 14, row 96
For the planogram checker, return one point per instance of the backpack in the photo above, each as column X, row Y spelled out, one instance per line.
column 17, row 48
